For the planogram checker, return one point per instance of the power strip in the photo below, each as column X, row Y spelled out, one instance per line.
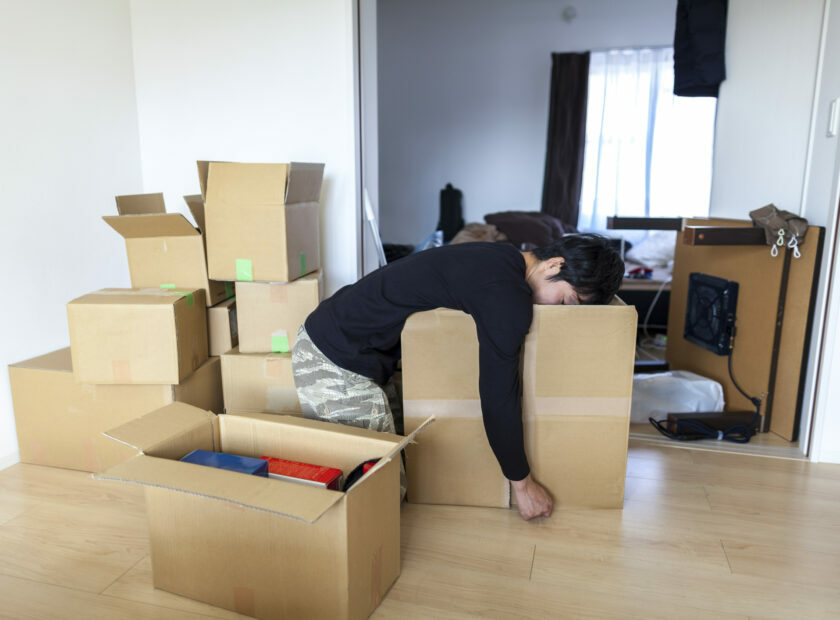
column 715, row 420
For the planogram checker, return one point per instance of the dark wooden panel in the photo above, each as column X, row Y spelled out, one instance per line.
column 644, row 223
column 723, row 235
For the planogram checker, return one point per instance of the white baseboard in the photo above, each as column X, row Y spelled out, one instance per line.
column 7, row 460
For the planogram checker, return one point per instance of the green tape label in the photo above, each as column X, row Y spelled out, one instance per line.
column 167, row 286
column 279, row 343
column 303, row 263
column 190, row 297
column 228, row 289
column 244, row 270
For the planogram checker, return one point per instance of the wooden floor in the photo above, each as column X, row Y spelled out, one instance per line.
column 701, row 535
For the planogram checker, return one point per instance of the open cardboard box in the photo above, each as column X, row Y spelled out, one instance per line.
column 164, row 249
column 577, row 379
column 262, row 220
column 60, row 422
column 260, row 546
column 129, row 336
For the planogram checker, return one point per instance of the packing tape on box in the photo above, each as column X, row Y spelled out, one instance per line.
column 167, row 286
column 277, row 293
column 229, row 291
column 243, row 600
column 277, row 366
column 303, row 263
column 280, row 398
column 280, row 341
column 375, row 579
column 244, row 270
column 190, row 297
column 121, row 371
column 442, row 408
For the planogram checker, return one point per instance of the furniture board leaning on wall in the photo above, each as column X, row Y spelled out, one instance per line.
column 774, row 315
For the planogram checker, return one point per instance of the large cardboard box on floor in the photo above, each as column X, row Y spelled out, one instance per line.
column 577, row 377
column 262, row 220
column 164, row 249
column 270, row 313
column 60, row 422
column 222, row 327
column 129, row 336
column 261, row 546
column 258, row 382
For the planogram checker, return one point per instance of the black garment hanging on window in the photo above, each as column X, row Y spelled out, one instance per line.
column 699, row 41
column 566, row 137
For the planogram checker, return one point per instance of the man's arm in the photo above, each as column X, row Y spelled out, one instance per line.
column 501, row 332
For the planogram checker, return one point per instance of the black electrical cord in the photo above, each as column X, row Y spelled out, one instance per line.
column 693, row 430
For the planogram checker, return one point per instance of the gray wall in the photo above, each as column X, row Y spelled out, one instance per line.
column 463, row 97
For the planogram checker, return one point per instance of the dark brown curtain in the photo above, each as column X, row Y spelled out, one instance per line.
column 566, row 137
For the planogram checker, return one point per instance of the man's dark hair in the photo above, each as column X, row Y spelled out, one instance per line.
column 592, row 265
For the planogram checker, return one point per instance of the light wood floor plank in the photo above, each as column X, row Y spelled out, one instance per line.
column 74, row 547
column 786, row 561
column 470, row 551
column 29, row 600
column 700, row 536
column 136, row 585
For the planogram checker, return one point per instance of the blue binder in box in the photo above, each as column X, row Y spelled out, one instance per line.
column 231, row 462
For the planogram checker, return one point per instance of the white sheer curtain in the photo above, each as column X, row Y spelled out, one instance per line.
column 648, row 153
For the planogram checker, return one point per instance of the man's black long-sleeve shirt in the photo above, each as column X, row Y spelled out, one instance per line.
column 359, row 327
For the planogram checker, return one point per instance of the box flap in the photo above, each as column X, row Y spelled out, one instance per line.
column 196, row 204
column 388, row 456
column 203, row 167
column 287, row 499
column 156, row 225
column 140, row 204
column 161, row 428
column 304, row 183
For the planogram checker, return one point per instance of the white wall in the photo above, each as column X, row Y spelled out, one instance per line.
column 764, row 107
column 69, row 145
column 464, row 93
column 264, row 80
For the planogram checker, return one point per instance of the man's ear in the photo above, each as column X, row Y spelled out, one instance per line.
column 554, row 265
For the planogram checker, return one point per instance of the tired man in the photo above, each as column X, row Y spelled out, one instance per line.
column 348, row 348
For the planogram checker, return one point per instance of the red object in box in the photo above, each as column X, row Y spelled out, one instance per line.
column 316, row 475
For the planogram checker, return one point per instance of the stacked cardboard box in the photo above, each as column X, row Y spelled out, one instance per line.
column 577, row 379
column 263, row 233
column 132, row 351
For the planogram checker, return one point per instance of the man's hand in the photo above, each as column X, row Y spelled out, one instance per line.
column 531, row 499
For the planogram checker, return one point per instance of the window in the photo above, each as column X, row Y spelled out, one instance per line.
column 648, row 153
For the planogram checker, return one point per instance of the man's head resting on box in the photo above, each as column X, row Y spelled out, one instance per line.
column 579, row 268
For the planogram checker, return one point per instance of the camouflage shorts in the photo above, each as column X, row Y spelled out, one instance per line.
column 330, row 393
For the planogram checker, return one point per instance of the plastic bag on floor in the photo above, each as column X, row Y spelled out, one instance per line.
column 676, row 391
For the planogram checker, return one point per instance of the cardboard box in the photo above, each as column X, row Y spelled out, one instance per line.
column 268, row 548
column 270, row 314
column 258, row 382
column 129, row 336
column 222, row 327
column 60, row 422
column 577, row 382
column 262, row 220
column 164, row 249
